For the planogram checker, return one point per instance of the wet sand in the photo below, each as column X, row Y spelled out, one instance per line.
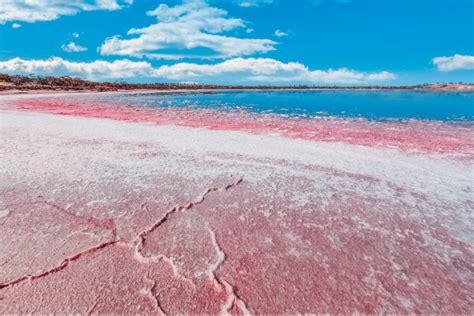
column 112, row 210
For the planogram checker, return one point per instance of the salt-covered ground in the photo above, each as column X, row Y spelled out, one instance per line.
column 105, row 210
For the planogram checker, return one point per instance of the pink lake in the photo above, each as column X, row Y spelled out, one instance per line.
column 112, row 209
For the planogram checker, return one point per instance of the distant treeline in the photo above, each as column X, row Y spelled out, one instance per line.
column 8, row 82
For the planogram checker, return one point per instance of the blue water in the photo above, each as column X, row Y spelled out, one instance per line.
column 372, row 105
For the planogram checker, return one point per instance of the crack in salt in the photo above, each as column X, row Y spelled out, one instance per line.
column 156, row 258
column 232, row 296
column 91, row 309
column 141, row 237
column 213, row 268
column 152, row 293
column 233, row 299
column 60, row 267
column 108, row 223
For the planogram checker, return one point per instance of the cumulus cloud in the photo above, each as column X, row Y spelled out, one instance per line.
column 233, row 71
column 247, row 4
column 16, row 25
column 257, row 3
column 252, row 3
column 279, row 33
column 456, row 62
column 95, row 70
column 192, row 25
column 267, row 70
column 47, row 10
column 72, row 47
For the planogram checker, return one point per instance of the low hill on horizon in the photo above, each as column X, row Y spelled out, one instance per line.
column 66, row 83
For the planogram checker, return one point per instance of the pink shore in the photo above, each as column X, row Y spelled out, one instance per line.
column 108, row 209
column 430, row 137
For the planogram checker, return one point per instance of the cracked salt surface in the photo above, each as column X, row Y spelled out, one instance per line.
column 118, row 217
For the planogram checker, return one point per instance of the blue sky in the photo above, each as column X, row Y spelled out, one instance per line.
column 335, row 42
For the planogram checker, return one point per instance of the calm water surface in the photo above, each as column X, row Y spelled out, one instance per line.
column 372, row 105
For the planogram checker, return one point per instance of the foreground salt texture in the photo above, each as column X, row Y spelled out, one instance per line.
column 109, row 216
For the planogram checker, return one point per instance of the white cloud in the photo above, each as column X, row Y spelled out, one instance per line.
column 95, row 70
column 190, row 26
column 73, row 48
column 75, row 35
column 279, row 33
column 249, row 30
column 247, row 4
column 47, row 10
column 267, row 70
column 252, row 3
column 257, row 3
column 456, row 62
column 16, row 25
column 233, row 71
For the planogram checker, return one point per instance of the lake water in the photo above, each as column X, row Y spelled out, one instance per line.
column 372, row 105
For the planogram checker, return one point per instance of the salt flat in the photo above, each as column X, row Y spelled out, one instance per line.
column 111, row 216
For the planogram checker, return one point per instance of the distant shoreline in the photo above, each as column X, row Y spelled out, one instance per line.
column 34, row 91
column 24, row 84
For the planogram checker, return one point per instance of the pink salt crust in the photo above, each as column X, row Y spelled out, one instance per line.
column 414, row 135
column 100, row 225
